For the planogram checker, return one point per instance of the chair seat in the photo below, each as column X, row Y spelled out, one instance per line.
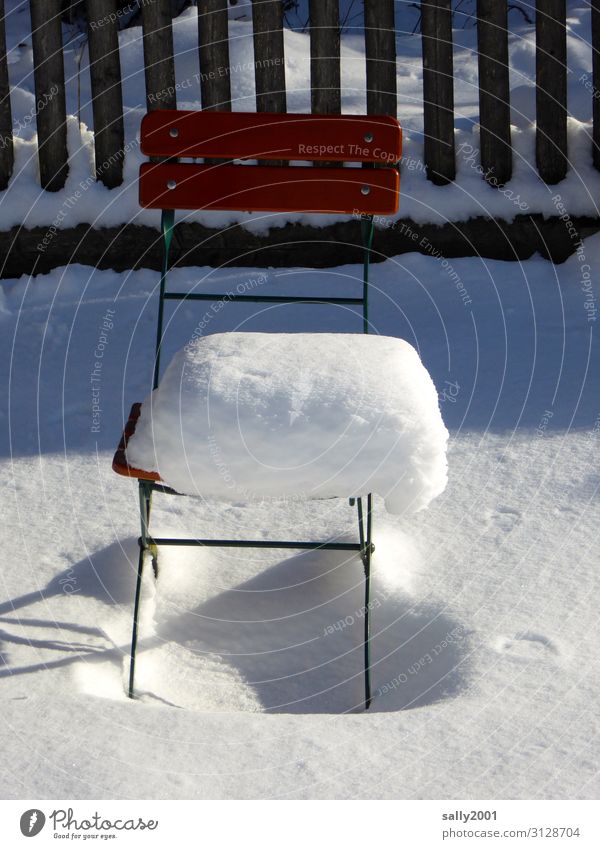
column 242, row 416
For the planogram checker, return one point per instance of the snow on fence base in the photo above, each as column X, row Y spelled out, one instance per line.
column 248, row 416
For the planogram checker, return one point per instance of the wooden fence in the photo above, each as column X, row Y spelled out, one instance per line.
column 325, row 78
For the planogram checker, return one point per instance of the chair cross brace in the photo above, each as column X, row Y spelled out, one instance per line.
column 149, row 545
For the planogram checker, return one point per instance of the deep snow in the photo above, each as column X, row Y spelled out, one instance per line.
column 247, row 416
column 250, row 663
column 484, row 613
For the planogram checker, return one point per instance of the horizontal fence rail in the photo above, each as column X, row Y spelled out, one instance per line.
column 214, row 80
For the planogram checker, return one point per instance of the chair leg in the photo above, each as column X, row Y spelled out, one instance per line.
column 151, row 548
column 367, row 548
column 145, row 495
column 136, row 607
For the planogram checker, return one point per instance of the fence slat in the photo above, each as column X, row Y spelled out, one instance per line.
column 494, row 90
column 269, row 58
column 213, row 35
column 325, row 94
column 438, row 90
column 551, row 90
column 158, row 55
column 596, row 81
column 107, row 98
column 380, row 50
column 6, row 138
column 49, row 79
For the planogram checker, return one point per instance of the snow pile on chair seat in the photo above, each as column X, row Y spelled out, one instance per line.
column 244, row 416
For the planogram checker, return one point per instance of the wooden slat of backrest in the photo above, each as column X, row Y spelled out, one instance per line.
column 251, row 135
column 269, row 188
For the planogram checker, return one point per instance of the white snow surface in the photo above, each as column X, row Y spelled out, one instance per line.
column 242, row 416
column 485, row 617
column 485, row 621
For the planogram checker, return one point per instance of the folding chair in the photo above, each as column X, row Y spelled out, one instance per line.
column 169, row 184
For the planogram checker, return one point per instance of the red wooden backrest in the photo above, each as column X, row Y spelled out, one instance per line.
column 355, row 139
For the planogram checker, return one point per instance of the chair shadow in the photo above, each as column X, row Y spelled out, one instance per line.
column 294, row 633
column 103, row 576
column 108, row 576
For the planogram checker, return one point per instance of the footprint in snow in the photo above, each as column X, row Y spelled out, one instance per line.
column 503, row 518
column 527, row 646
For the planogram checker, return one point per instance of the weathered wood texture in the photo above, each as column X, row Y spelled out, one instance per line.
column 494, row 90
column 438, row 90
column 596, row 80
column 325, row 90
column 6, row 130
column 551, row 90
column 49, row 79
column 213, row 40
column 380, row 55
column 107, row 98
column 269, row 57
column 161, row 92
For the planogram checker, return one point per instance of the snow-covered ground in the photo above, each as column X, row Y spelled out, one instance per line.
column 485, row 616
column 485, row 610
column 82, row 200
